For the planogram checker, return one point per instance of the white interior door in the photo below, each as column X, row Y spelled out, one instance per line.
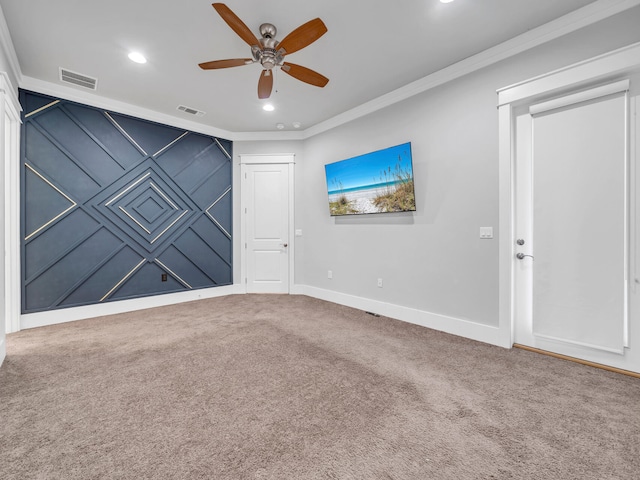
column 266, row 213
column 571, row 226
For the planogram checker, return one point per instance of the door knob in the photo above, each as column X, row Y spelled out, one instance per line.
column 520, row 256
column 285, row 245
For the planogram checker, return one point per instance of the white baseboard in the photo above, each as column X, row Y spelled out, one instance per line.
column 3, row 350
column 455, row 326
column 41, row 319
column 443, row 323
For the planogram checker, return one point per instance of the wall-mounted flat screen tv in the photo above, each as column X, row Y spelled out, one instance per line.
column 377, row 182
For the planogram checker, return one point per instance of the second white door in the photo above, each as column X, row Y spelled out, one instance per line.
column 266, row 213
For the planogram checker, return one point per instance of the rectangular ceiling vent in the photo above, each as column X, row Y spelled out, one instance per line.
column 78, row 79
column 190, row 111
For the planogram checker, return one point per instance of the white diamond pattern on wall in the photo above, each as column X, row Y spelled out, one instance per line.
column 106, row 220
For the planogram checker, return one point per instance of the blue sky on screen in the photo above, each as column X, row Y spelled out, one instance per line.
column 367, row 169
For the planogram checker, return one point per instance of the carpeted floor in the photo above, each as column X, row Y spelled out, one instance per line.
column 290, row 387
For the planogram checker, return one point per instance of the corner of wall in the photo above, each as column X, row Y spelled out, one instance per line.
column 454, row 326
column 8, row 57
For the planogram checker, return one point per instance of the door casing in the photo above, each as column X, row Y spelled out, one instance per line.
column 262, row 159
column 606, row 68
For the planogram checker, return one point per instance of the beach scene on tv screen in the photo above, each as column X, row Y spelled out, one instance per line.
column 377, row 182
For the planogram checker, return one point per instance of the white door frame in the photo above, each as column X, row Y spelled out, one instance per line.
column 605, row 68
column 262, row 159
column 10, row 111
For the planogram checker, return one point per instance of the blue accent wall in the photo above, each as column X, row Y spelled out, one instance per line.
column 114, row 207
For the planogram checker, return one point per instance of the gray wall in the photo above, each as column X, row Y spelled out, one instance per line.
column 431, row 260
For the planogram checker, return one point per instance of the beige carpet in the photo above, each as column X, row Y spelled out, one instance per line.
column 290, row 387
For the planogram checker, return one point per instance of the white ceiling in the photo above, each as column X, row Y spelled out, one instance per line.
column 371, row 48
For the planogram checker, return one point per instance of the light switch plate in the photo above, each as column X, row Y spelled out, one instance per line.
column 486, row 232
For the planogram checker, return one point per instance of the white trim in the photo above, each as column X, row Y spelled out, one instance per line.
column 571, row 22
column 630, row 189
column 292, row 207
column 7, row 88
column 452, row 325
column 94, row 100
column 634, row 209
column 506, row 224
column 583, row 17
column 9, row 107
column 243, row 226
column 617, row 351
column 443, row 323
column 602, row 67
column 3, row 350
column 608, row 67
column 266, row 159
column 53, row 317
column 580, row 97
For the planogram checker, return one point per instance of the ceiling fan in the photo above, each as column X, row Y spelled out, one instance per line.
column 270, row 52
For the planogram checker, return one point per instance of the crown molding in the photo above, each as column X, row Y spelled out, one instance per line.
column 569, row 23
column 93, row 100
column 583, row 17
column 9, row 50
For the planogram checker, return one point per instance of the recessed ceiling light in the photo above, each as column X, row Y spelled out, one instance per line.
column 296, row 124
column 267, row 107
column 446, row 1
column 279, row 126
column 137, row 57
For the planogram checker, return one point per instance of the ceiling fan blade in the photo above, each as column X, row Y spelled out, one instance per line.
column 302, row 36
column 265, row 84
column 305, row 74
column 234, row 62
column 236, row 24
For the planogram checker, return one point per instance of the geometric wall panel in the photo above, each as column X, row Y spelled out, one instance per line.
column 115, row 207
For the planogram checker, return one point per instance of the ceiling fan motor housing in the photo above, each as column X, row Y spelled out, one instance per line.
column 268, row 55
column 270, row 58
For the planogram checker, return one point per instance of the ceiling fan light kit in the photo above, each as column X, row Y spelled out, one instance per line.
column 269, row 52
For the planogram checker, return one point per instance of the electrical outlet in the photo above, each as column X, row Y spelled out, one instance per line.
column 380, row 283
column 329, row 274
column 164, row 277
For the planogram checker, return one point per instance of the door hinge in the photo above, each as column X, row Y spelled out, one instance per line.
column 245, row 175
column 245, row 210
column 245, row 245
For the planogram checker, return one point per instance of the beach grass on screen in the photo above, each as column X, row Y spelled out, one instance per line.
column 377, row 182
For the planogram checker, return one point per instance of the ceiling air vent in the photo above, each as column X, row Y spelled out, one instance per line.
column 78, row 79
column 190, row 111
